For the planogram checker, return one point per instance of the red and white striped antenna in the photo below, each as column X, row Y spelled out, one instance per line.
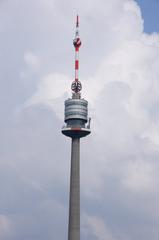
column 76, row 85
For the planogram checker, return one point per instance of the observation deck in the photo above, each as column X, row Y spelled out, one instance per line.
column 76, row 117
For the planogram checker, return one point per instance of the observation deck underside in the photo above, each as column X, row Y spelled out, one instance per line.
column 75, row 132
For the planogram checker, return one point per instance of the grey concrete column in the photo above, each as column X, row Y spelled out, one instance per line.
column 74, row 203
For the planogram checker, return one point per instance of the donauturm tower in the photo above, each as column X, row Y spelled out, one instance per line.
column 76, row 126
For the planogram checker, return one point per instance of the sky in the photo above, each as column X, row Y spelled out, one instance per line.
column 119, row 71
column 150, row 9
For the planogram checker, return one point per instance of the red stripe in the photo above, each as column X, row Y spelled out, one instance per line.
column 76, row 129
column 76, row 65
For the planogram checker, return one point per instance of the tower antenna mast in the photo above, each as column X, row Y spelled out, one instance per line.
column 76, row 85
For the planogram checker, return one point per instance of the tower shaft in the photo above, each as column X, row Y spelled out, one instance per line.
column 74, row 202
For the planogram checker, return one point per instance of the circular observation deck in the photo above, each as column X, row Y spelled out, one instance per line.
column 76, row 109
column 76, row 117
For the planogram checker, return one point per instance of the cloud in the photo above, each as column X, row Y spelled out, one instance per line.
column 97, row 227
column 32, row 61
column 5, row 225
column 140, row 176
column 119, row 70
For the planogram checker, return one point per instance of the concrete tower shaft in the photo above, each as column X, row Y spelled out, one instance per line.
column 74, row 204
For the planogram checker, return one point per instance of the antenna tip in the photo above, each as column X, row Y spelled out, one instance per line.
column 77, row 21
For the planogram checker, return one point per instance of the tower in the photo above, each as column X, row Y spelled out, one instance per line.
column 76, row 118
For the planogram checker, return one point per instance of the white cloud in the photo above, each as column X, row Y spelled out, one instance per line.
column 140, row 177
column 51, row 87
column 5, row 226
column 121, row 91
column 119, row 69
column 32, row 61
column 52, row 92
column 96, row 227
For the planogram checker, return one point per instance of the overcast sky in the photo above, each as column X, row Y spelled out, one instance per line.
column 119, row 69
